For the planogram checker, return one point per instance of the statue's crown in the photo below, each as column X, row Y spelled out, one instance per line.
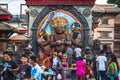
column 58, row 21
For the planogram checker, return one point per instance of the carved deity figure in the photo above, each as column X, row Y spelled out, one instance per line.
column 77, row 34
column 58, row 39
column 60, row 36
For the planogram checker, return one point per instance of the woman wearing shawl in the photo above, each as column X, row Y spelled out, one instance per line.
column 113, row 68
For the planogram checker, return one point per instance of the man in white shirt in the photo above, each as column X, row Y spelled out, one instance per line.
column 101, row 63
column 77, row 51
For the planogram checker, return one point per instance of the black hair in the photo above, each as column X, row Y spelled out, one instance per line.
column 114, row 59
column 102, row 51
column 7, row 52
column 24, row 55
column 34, row 58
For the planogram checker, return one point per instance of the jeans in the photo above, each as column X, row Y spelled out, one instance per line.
column 96, row 74
column 73, row 74
column 102, row 75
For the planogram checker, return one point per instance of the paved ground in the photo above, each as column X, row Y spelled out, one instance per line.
column 70, row 78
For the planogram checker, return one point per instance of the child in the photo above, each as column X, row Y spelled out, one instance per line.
column 87, row 71
column 80, row 72
column 25, row 68
column 64, row 65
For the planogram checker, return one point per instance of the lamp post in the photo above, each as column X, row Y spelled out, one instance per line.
column 27, row 19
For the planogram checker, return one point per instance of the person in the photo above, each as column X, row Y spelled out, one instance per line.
column 73, row 71
column 57, row 66
column 113, row 68
column 101, row 63
column 80, row 69
column 77, row 51
column 69, row 53
column 41, row 58
column 87, row 71
column 54, row 60
column 88, row 55
column 1, row 67
column 44, row 60
column 64, row 65
column 94, row 68
column 10, row 67
column 24, row 68
column 36, row 70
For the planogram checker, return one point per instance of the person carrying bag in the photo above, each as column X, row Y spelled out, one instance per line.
column 112, row 69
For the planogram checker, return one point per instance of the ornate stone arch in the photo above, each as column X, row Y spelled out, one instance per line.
column 47, row 10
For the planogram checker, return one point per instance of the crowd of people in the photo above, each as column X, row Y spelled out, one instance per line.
column 72, row 64
column 103, row 67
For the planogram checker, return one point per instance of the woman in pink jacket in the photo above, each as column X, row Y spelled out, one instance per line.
column 80, row 65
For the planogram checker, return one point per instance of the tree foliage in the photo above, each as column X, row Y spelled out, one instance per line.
column 116, row 2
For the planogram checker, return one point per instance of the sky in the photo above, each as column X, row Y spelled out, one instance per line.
column 101, row 2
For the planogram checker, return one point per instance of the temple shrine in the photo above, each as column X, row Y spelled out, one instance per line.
column 55, row 24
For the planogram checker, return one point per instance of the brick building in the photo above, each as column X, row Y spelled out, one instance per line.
column 106, row 18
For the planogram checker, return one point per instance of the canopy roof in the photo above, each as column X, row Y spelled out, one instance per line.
column 6, row 27
column 5, row 15
column 21, row 30
column 60, row 2
column 106, row 9
column 18, row 38
column 6, row 31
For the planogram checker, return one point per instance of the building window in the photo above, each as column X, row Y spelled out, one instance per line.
column 4, row 6
column 117, row 30
column 105, row 34
column 106, row 47
column 23, row 8
column 105, row 21
column 16, row 18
